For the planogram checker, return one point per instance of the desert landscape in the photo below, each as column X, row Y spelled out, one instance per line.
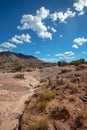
column 43, row 64
column 60, row 102
column 50, row 98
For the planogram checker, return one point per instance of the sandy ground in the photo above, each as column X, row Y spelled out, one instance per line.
column 13, row 94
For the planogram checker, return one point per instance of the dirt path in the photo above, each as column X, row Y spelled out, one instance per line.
column 13, row 94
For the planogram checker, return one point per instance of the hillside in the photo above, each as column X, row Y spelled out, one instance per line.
column 11, row 62
column 60, row 101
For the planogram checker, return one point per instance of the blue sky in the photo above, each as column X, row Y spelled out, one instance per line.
column 50, row 30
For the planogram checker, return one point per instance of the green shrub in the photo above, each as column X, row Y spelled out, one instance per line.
column 62, row 63
column 44, row 98
column 48, row 95
column 77, row 62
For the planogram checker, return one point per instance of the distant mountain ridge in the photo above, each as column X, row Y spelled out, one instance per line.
column 11, row 60
column 13, row 55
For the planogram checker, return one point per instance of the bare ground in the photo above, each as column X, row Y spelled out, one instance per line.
column 13, row 94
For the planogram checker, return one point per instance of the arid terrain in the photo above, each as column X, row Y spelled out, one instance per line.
column 53, row 98
column 60, row 102
column 14, row 92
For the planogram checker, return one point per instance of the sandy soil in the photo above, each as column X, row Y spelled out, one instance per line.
column 13, row 94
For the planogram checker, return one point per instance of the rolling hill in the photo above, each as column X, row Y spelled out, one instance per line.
column 11, row 62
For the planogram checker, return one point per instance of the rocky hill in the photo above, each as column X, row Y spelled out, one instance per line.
column 11, row 61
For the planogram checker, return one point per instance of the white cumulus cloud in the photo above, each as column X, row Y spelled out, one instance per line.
column 75, row 46
column 21, row 38
column 43, row 13
column 65, row 54
column 49, row 59
column 53, row 30
column 80, row 5
column 36, row 23
column 61, row 16
column 80, row 41
column 8, row 45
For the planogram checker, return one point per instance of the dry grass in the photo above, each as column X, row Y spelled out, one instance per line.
column 38, row 125
column 41, row 105
column 19, row 76
column 59, row 113
column 48, row 95
column 44, row 98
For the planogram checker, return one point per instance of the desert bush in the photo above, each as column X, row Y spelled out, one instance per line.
column 19, row 76
column 44, row 98
column 48, row 95
column 41, row 105
column 18, row 68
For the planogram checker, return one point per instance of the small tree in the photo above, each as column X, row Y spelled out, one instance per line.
column 62, row 63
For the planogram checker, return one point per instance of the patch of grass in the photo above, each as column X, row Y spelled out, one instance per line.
column 41, row 105
column 43, row 99
column 19, row 76
column 38, row 125
column 48, row 95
